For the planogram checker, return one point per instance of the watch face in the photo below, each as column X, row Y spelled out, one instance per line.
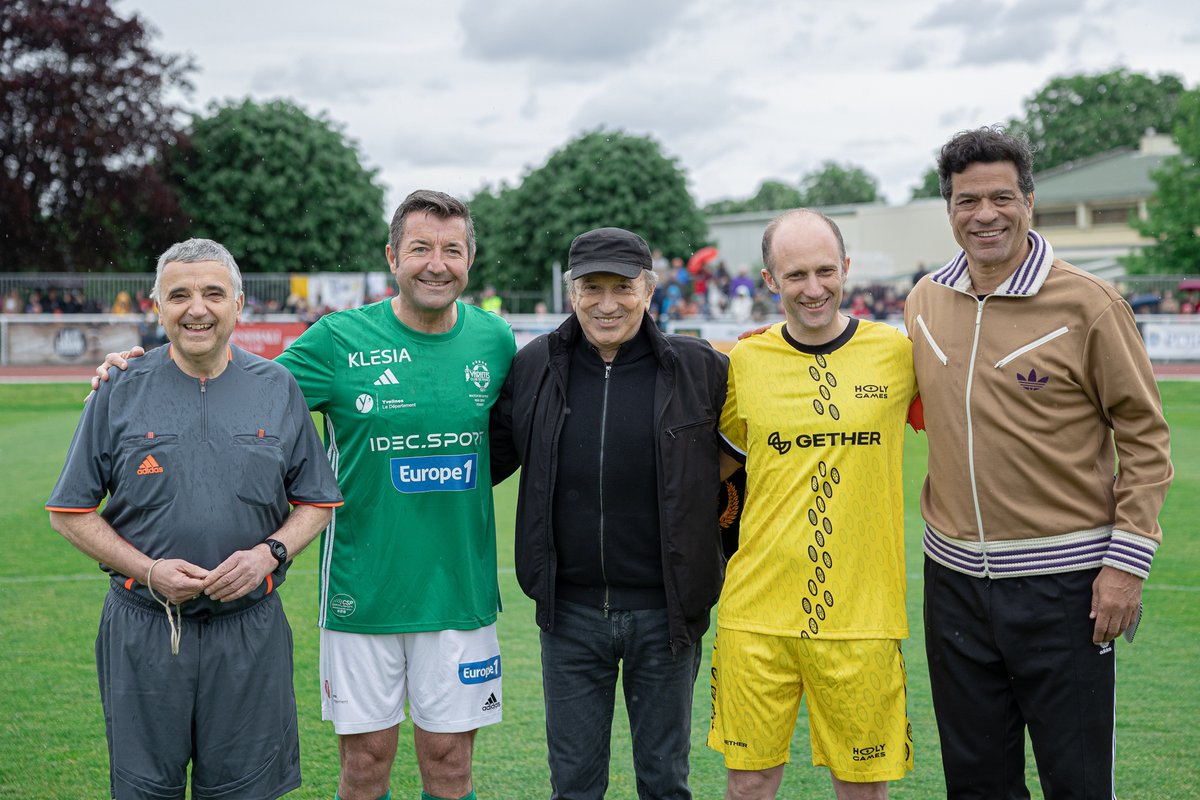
column 279, row 550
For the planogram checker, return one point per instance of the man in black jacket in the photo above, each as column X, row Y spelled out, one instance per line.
column 617, row 539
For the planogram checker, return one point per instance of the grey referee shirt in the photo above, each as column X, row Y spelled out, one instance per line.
column 196, row 469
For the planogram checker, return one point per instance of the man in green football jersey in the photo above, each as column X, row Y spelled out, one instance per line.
column 408, row 587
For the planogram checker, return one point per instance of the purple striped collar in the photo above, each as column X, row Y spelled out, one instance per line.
column 1026, row 280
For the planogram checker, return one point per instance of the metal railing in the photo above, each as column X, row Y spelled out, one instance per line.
column 102, row 288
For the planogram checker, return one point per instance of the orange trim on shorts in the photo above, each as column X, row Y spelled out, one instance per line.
column 270, row 584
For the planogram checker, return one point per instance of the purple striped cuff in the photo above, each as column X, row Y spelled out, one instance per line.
column 1068, row 552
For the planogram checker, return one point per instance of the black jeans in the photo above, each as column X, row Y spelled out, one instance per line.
column 581, row 658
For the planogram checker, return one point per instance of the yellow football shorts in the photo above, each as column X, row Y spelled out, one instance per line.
column 855, row 690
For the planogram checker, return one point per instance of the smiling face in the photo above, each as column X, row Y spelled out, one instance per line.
column 430, row 265
column 990, row 218
column 610, row 308
column 197, row 308
column 808, row 273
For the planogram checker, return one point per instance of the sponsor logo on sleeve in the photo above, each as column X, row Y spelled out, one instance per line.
column 419, row 474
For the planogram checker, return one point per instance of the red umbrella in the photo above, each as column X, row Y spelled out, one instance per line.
column 1186, row 285
column 701, row 257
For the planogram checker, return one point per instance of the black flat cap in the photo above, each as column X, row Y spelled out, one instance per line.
column 614, row 250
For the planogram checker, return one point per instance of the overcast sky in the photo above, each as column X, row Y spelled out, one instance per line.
column 455, row 94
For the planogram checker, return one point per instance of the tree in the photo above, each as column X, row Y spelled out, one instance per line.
column 282, row 190
column 834, row 184
column 602, row 178
column 492, row 264
column 772, row 195
column 1173, row 219
column 83, row 119
column 1076, row 116
column 930, row 185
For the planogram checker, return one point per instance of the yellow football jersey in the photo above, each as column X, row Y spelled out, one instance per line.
column 821, row 550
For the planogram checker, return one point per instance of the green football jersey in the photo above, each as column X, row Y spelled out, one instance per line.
column 406, row 424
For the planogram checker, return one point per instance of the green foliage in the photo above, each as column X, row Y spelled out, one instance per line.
column 1173, row 212
column 83, row 121
column 834, row 184
column 602, row 178
column 831, row 184
column 772, row 195
column 930, row 185
column 1076, row 116
column 493, row 264
column 284, row 191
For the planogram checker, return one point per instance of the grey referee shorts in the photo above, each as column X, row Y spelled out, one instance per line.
column 225, row 703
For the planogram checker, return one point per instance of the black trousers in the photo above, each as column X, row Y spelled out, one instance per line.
column 1015, row 653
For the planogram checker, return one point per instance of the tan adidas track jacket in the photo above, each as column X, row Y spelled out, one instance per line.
column 1031, row 395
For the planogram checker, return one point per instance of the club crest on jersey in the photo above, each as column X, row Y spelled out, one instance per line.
column 478, row 374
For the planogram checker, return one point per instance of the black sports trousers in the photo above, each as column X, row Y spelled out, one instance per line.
column 1015, row 653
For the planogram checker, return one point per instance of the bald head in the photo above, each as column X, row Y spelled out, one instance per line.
column 803, row 217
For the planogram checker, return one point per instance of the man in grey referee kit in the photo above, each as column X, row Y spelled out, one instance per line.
column 200, row 448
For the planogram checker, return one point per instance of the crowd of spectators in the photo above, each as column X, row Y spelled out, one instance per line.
column 710, row 292
column 51, row 301
column 1168, row 302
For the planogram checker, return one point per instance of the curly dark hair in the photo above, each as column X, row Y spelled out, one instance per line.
column 987, row 145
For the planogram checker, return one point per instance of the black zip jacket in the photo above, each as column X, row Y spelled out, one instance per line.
column 689, row 392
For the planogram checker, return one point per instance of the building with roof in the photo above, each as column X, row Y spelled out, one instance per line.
column 1083, row 208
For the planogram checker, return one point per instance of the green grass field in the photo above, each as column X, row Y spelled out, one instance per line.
column 52, row 730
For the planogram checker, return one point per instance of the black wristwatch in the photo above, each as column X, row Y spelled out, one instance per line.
column 278, row 549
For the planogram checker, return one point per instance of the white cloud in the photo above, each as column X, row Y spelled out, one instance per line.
column 566, row 31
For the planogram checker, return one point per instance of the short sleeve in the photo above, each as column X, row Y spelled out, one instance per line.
column 310, row 359
column 85, row 477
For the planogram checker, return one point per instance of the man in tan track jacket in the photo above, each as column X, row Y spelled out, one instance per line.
column 1035, row 381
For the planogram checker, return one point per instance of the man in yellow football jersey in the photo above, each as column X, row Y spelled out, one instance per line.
column 813, row 602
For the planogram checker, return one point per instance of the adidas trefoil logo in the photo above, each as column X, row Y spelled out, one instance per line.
column 1031, row 382
column 149, row 467
column 491, row 702
column 388, row 378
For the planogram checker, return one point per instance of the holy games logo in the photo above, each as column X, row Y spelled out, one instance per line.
column 871, row 390
column 477, row 373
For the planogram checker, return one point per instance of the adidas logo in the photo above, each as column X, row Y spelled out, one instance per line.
column 1031, row 382
column 149, row 467
column 388, row 378
column 491, row 703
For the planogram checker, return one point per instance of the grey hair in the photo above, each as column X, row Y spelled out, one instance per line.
column 650, row 276
column 193, row 251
